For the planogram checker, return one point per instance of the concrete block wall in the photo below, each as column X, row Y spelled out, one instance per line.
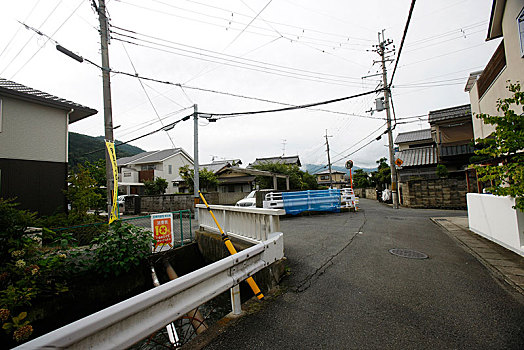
column 230, row 198
column 369, row 193
column 437, row 193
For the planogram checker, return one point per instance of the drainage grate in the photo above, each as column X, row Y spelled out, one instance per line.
column 408, row 253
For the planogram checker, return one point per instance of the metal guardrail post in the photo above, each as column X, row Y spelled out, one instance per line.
column 236, row 305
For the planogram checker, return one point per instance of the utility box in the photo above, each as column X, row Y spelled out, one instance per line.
column 379, row 104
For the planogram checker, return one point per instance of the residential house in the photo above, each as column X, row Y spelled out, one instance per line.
column 507, row 63
column 34, row 145
column 291, row 160
column 339, row 179
column 134, row 170
column 418, row 153
column 236, row 179
column 452, row 131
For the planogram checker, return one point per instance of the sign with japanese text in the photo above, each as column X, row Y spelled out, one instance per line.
column 112, row 156
column 162, row 227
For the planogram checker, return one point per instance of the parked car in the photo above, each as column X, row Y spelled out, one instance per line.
column 121, row 200
column 249, row 201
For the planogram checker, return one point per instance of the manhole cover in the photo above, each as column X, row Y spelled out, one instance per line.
column 408, row 253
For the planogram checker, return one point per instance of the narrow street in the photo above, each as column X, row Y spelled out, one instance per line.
column 346, row 291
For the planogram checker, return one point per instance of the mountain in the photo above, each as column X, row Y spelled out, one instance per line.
column 81, row 146
column 315, row 168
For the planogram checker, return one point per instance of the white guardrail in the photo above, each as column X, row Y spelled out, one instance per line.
column 249, row 224
column 126, row 323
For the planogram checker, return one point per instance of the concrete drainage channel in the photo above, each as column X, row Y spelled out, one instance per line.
column 408, row 253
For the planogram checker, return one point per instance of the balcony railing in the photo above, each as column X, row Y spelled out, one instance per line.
column 495, row 65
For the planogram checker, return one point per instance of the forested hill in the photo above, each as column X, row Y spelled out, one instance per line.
column 80, row 145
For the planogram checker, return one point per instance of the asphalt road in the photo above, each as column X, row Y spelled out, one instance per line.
column 346, row 291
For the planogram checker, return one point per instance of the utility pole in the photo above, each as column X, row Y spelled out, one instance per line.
column 108, row 117
column 196, row 176
column 329, row 162
column 381, row 49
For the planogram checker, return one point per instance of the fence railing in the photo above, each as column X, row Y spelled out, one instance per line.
column 251, row 224
column 127, row 322
column 84, row 234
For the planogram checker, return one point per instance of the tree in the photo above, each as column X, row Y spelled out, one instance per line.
column 442, row 170
column 505, row 148
column 382, row 176
column 207, row 180
column 156, row 186
column 360, row 179
column 82, row 192
column 298, row 179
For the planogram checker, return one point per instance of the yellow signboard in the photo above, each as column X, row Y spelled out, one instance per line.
column 112, row 156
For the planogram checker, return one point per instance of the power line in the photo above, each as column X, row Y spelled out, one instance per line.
column 213, row 54
column 403, row 39
column 226, row 115
column 50, row 38
column 29, row 40
column 19, row 28
column 147, row 95
column 247, row 25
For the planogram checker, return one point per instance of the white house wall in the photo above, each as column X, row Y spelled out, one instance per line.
column 514, row 71
column 176, row 162
column 32, row 132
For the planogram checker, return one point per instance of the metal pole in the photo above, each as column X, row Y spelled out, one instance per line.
column 329, row 162
column 394, row 193
column 108, row 118
column 196, row 176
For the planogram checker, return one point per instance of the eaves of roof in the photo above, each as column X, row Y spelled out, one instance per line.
column 18, row 91
column 413, row 136
column 418, row 156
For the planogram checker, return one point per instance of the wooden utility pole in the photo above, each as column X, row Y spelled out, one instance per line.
column 108, row 117
column 381, row 49
column 329, row 162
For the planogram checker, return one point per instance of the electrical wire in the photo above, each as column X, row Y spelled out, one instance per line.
column 29, row 40
column 148, row 98
column 19, row 28
column 228, row 115
column 50, row 38
column 402, row 41
column 229, row 58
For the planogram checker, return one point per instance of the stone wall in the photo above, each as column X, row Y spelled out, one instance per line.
column 438, row 193
column 230, row 198
column 172, row 202
column 369, row 193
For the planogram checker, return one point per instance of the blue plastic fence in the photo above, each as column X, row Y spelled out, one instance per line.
column 321, row 200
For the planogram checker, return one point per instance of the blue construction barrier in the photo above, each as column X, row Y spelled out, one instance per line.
column 321, row 200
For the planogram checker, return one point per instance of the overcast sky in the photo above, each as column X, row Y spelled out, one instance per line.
column 288, row 51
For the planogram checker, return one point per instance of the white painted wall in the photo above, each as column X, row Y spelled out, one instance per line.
column 514, row 71
column 494, row 218
column 33, row 132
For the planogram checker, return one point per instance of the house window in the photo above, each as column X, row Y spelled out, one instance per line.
column 169, row 169
column 127, row 174
column 148, row 167
column 520, row 24
column 324, row 177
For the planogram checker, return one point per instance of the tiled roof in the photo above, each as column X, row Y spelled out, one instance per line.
column 280, row 160
column 327, row 172
column 450, row 113
column 130, row 160
column 151, row 157
column 412, row 136
column 15, row 90
column 215, row 166
column 418, row 156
